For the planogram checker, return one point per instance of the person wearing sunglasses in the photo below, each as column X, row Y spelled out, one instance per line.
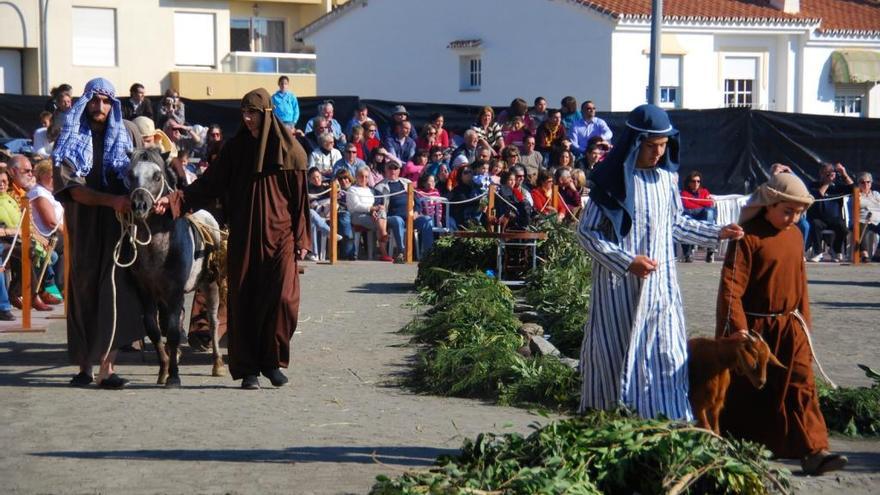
column 698, row 204
column 834, row 182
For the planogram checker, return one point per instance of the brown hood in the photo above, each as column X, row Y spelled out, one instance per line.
column 277, row 145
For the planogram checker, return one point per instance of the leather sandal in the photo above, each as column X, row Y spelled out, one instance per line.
column 823, row 462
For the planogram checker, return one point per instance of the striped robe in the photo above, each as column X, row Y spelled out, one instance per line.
column 634, row 351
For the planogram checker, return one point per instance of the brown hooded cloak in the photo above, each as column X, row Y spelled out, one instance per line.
column 262, row 184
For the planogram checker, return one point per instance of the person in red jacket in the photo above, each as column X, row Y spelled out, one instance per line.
column 699, row 206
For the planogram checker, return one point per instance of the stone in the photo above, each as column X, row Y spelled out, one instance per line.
column 530, row 329
column 540, row 345
column 571, row 363
column 524, row 351
column 529, row 317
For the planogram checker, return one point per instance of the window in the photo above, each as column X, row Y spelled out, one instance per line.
column 256, row 34
column 849, row 99
column 94, row 37
column 194, row 39
column 471, row 67
column 740, row 76
column 669, row 96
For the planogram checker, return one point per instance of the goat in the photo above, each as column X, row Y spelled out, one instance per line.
column 709, row 365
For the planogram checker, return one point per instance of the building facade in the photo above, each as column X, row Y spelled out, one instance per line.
column 202, row 48
column 807, row 56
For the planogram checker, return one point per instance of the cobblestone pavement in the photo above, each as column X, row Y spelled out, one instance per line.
column 343, row 419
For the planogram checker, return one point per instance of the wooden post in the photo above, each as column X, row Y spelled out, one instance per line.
column 410, row 215
column 334, row 220
column 855, row 216
column 555, row 200
column 490, row 209
column 26, row 281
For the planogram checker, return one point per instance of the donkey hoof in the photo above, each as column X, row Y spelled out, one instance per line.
column 163, row 377
column 172, row 382
column 219, row 370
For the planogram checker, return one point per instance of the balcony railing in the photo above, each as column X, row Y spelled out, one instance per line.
column 270, row 63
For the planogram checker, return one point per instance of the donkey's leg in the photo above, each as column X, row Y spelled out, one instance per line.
column 171, row 317
column 212, row 303
column 151, row 325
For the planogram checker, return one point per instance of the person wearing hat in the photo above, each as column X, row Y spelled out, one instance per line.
column 635, row 340
column 764, row 290
column 398, row 115
column 152, row 137
column 261, row 176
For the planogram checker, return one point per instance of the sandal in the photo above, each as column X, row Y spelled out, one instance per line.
column 113, row 382
column 823, row 462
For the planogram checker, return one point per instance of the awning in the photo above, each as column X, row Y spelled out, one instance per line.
column 855, row 66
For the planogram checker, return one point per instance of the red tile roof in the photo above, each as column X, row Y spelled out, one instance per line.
column 835, row 16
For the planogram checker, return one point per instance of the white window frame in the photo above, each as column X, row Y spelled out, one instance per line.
column 470, row 72
column 670, row 81
column 89, row 42
column 193, row 49
column 252, row 47
column 739, row 90
column 739, row 77
column 847, row 96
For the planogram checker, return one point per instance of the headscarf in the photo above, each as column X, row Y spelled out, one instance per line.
column 612, row 178
column 780, row 187
column 277, row 145
column 146, row 127
column 74, row 145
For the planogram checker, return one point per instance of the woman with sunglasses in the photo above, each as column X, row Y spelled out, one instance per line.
column 698, row 205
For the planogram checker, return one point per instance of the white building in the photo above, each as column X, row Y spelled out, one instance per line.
column 807, row 56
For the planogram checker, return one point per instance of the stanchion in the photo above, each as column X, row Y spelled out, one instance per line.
column 490, row 209
column 410, row 209
column 334, row 227
column 855, row 216
column 26, row 281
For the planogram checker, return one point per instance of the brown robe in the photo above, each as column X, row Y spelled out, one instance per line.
column 765, row 273
column 94, row 231
column 265, row 211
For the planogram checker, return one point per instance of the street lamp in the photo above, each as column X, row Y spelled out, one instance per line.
column 654, row 64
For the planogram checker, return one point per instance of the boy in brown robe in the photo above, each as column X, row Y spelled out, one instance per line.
column 260, row 177
column 764, row 288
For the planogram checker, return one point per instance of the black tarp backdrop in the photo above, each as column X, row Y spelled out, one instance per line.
column 732, row 147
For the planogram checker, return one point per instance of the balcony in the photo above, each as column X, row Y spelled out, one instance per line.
column 269, row 63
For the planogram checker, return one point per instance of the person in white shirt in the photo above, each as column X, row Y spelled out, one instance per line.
column 325, row 155
column 361, row 202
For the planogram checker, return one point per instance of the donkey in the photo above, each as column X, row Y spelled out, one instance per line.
column 174, row 262
column 709, row 365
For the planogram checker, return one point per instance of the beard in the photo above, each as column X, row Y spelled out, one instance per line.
column 98, row 117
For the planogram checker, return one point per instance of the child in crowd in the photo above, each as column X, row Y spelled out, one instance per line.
column 427, row 190
column 764, row 289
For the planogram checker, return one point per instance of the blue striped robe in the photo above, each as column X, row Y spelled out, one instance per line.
column 634, row 351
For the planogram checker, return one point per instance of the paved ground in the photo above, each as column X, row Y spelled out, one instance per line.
column 343, row 419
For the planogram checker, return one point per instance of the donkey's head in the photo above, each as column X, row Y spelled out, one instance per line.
column 148, row 180
column 752, row 357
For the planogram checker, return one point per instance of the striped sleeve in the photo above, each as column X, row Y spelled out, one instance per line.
column 603, row 249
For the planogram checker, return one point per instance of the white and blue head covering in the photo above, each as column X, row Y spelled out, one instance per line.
column 74, row 145
column 613, row 177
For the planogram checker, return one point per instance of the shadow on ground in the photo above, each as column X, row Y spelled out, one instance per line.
column 845, row 282
column 394, row 455
column 383, row 288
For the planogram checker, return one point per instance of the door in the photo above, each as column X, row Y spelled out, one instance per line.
column 10, row 72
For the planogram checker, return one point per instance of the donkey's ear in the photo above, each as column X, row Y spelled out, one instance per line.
column 165, row 156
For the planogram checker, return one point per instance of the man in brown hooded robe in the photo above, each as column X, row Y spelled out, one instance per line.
column 260, row 178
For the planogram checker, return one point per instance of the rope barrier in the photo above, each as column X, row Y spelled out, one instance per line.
column 318, row 195
column 14, row 240
column 441, row 199
column 721, row 200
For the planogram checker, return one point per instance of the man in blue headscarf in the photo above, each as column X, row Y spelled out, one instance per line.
column 91, row 159
column 634, row 351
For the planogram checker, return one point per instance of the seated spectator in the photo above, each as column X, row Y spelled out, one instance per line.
column 47, row 214
column 182, row 136
column 399, row 143
column 518, row 108
column 586, row 128
column 828, row 215
column 510, row 156
column 869, row 217
column 320, row 126
column 395, row 202
column 137, row 104
column 58, row 96
column 496, row 166
column 443, row 138
column 379, row 157
column 427, row 138
column 570, row 114
column 213, row 144
column 444, row 184
column 285, row 105
column 430, row 205
column 154, row 138
column 325, row 155
column 360, row 118
column 538, row 114
column 550, row 133
column 184, row 170
column 512, row 211
column 590, row 159
column 465, row 209
column 319, row 209
column 413, row 169
column 697, row 204
column 435, row 159
column 371, row 137
column 531, row 160
column 521, row 186
column 170, row 106
column 343, row 216
column 488, row 131
column 561, row 158
column 42, row 143
column 569, row 195
column 480, row 167
column 399, row 115
column 356, row 137
column 361, row 203
column 542, row 194
column 514, row 132
column 467, row 152
column 325, row 111
column 579, row 177
column 349, row 161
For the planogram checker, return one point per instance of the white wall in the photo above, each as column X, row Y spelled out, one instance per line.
column 818, row 90
column 396, row 50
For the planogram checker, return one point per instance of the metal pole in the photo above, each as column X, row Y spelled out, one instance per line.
column 654, row 67
column 44, row 49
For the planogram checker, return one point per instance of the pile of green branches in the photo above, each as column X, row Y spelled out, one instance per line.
column 471, row 347
column 602, row 453
column 559, row 288
column 853, row 411
column 454, row 254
